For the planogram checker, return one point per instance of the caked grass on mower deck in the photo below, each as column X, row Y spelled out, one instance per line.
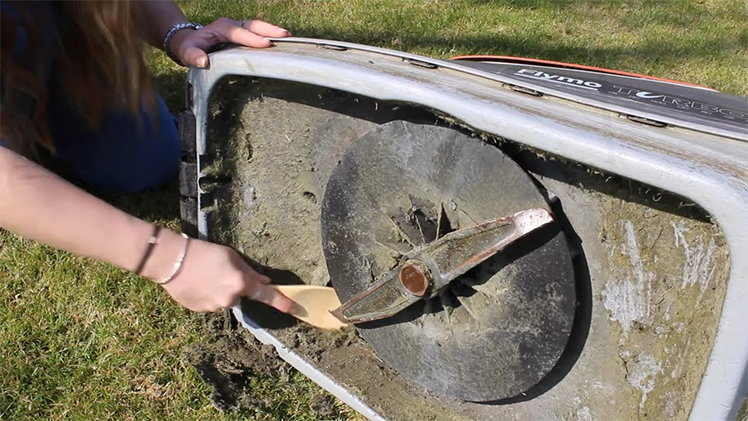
column 274, row 145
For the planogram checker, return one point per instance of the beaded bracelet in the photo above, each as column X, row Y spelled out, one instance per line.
column 173, row 30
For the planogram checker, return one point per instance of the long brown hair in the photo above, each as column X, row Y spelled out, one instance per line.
column 99, row 58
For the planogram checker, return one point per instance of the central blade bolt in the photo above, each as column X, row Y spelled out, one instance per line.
column 415, row 278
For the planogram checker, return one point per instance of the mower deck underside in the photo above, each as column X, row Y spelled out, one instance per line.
column 652, row 268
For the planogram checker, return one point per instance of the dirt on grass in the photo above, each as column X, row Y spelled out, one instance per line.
column 250, row 380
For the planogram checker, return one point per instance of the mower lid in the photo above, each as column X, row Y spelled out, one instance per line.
column 660, row 100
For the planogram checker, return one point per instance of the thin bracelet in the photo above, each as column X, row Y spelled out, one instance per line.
column 151, row 244
column 178, row 263
column 173, row 30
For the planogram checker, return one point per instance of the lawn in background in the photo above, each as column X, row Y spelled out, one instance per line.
column 81, row 340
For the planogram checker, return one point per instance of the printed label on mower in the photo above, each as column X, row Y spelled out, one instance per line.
column 642, row 96
column 561, row 79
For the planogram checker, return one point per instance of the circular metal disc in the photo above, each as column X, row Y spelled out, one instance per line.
column 497, row 330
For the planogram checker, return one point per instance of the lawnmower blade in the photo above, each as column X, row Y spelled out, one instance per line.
column 426, row 270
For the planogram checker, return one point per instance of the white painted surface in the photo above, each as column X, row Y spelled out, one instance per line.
column 705, row 169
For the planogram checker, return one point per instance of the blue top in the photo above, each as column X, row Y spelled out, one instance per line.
column 118, row 156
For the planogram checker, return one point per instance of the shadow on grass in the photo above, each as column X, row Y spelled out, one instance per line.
column 162, row 203
column 543, row 46
column 155, row 205
column 677, row 14
column 171, row 86
column 539, row 39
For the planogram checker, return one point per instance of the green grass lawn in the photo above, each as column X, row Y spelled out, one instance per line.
column 81, row 340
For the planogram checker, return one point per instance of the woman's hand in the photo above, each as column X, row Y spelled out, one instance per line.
column 51, row 210
column 191, row 46
column 213, row 277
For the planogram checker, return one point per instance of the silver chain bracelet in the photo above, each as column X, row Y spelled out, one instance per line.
column 178, row 263
column 173, row 30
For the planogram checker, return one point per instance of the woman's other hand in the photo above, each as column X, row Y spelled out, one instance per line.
column 191, row 47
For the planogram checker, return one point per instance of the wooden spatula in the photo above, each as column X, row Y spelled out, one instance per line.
column 314, row 304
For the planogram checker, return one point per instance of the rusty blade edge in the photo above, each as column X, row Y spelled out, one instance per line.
column 522, row 227
column 472, row 230
column 353, row 320
column 338, row 312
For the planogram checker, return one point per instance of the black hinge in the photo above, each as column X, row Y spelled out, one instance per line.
column 420, row 63
column 188, row 216
column 188, row 179
column 188, row 135
column 188, row 172
column 523, row 90
column 646, row 121
column 333, row 47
